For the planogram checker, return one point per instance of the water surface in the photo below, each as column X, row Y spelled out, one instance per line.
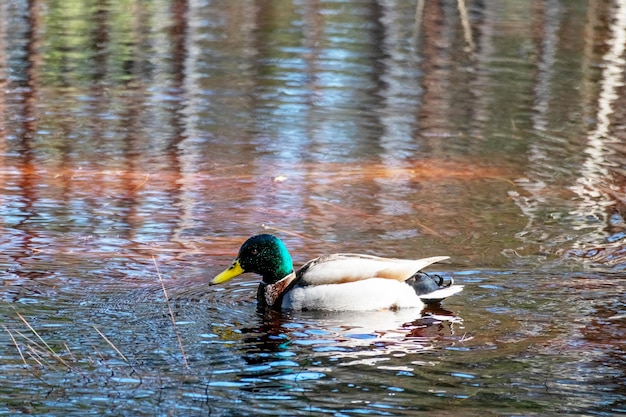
column 142, row 142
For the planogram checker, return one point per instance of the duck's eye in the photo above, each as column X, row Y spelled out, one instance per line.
column 254, row 251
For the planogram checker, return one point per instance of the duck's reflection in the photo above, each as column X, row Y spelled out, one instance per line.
column 337, row 335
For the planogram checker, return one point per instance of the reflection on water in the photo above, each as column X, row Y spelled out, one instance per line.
column 507, row 348
column 135, row 133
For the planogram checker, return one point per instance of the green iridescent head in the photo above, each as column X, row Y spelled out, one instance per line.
column 263, row 254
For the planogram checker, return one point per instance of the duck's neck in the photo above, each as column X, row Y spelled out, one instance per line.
column 278, row 266
column 271, row 295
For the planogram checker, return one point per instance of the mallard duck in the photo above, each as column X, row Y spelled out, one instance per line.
column 338, row 282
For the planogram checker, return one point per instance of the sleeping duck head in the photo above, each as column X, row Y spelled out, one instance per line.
column 263, row 254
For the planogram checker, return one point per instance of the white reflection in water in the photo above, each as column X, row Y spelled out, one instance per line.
column 595, row 173
column 592, row 184
column 376, row 336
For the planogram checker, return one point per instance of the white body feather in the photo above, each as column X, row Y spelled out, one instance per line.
column 369, row 294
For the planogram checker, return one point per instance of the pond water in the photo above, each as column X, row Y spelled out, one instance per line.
column 142, row 142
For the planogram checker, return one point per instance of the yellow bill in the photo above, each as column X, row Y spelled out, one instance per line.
column 230, row 273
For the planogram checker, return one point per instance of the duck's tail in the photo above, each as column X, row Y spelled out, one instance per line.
column 433, row 288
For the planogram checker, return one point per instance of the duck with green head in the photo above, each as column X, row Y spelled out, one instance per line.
column 338, row 282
